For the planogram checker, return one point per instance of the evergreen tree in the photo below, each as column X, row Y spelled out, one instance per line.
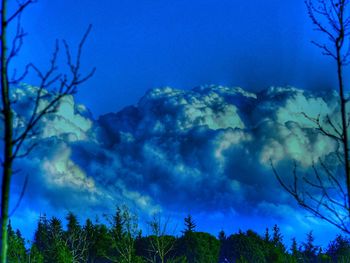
column 267, row 236
column 339, row 249
column 102, row 243
column 34, row 255
column 120, row 238
column 222, row 235
column 117, row 224
column 295, row 251
column 190, row 225
column 16, row 248
column 55, row 230
column 309, row 249
column 76, row 239
column 41, row 236
column 277, row 238
column 58, row 251
column 294, row 247
column 91, row 235
column 72, row 224
column 198, row 247
column 246, row 247
column 224, row 248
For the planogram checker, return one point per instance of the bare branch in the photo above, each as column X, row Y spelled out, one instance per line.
column 20, row 9
column 319, row 26
column 24, row 187
column 330, row 214
column 325, row 50
column 25, row 153
column 337, row 136
column 17, row 42
column 66, row 88
column 16, row 80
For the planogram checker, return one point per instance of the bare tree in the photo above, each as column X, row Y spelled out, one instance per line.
column 326, row 193
column 76, row 239
column 78, row 246
column 124, row 232
column 161, row 243
column 53, row 87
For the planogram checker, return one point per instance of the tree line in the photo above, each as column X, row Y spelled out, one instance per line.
column 121, row 240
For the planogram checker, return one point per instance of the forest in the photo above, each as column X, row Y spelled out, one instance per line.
column 120, row 240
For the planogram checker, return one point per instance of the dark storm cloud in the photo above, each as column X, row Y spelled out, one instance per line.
column 207, row 149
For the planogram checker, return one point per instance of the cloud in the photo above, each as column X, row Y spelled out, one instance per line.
column 206, row 149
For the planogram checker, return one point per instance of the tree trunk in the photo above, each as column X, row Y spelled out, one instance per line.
column 339, row 45
column 7, row 154
column 344, row 131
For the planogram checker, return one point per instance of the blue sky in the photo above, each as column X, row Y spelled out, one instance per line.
column 137, row 45
column 201, row 151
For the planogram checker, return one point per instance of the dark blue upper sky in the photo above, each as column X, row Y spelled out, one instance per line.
column 141, row 44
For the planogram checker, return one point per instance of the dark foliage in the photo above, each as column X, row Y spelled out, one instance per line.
column 190, row 225
column 121, row 241
column 339, row 249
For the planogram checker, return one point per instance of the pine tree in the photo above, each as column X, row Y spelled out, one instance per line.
column 309, row 245
column 224, row 248
column 295, row 251
column 277, row 237
column 16, row 247
column 55, row 229
column 339, row 248
column 294, row 247
column 309, row 248
column 117, row 225
column 102, row 241
column 58, row 250
column 34, row 255
column 222, row 236
column 117, row 233
column 267, row 236
column 90, row 233
column 189, row 240
column 73, row 224
column 41, row 236
column 190, row 225
column 273, row 247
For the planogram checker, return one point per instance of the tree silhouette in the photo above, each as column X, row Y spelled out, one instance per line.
column 190, row 225
column 309, row 248
column 53, row 87
column 17, row 251
column 161, row 244
column 339, row 249
column 277, row 238
column 76, row 239
column 52, row 244
column 326, row 194
column 295, row 251
column 123, row 234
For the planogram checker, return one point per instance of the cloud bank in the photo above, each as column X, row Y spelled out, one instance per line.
column 206, row 151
